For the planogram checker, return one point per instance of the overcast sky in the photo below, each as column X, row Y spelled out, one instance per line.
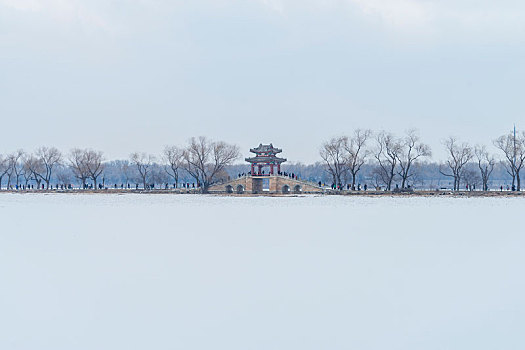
column 136, row 75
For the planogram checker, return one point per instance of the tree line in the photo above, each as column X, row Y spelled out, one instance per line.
column 379, row 159
column 203, row 159
column 399, row 159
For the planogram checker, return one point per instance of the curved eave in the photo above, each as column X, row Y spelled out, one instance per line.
column 262, row 150
column 262, row 160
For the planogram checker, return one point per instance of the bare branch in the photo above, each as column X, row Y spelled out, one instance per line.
column 143, row 162
column 459, row 155
column 334, row 154
column 205, row 160
column 357, row 153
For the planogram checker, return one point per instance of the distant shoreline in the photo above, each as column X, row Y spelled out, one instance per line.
column 441, row 193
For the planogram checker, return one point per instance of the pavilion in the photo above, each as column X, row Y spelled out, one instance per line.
column 265, row 156
column 259, row 181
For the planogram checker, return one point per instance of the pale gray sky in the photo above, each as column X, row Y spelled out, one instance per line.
column 122, row 76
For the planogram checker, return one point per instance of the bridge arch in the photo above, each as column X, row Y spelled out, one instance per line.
column 285, row 189
column 240, row 189
column 297, row 189
column 229, row 189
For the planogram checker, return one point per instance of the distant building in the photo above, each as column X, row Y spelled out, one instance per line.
column 265, row 156
column 272, row 181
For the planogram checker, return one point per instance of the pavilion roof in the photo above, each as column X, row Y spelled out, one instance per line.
column 266, row 149
column 265, row 159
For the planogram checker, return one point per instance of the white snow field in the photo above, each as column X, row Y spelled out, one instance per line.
column 203, row 272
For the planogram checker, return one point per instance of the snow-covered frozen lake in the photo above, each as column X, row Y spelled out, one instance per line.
column 204, row 272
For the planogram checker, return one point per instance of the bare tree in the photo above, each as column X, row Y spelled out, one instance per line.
column 471, row 178
column 416, row 177
column 33, row 167
column 205, row 160
column 459, row 155
column 334, row 154
column 77, row 163
column 410, row 151
column 15, row 166
column 49, row 157
column 159, row 176
column 28, row 176
column 64, row 176
column 126, row 171
column 379, row 177
column 4, row 168
column 94, row 164
column 387, row 155
column 513, row 147
column 143, row 162
column 486, row 164
column 174, row 157
column 356, row 152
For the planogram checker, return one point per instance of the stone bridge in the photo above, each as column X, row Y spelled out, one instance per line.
column 266, row 184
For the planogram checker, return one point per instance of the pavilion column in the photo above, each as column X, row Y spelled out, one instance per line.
column 271, row 169
column 279, row 168
column 252, row 169
column 260, row 167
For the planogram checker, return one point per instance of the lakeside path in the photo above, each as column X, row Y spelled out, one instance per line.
column 443, row 193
